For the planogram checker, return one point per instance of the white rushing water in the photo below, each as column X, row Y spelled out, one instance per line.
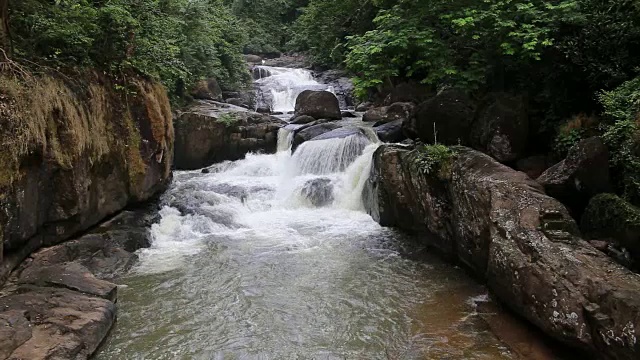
column 322, row 177
column 281, row 86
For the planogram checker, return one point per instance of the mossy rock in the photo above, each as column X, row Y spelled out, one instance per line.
column 610, row 217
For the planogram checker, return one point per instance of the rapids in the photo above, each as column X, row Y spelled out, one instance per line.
column 273, row 257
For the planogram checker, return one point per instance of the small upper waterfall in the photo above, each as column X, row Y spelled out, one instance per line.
column 279, row 87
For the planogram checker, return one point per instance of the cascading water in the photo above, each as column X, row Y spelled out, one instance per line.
column 273, row 257
column 279, row 87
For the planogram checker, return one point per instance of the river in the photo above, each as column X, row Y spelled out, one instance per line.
column 273, row 257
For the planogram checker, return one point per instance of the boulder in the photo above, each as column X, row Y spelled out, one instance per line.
column 207, row 90
column 450, row 114
column 581, row 175
column 375, row 114
column 502, row 127
column 302, row 119
column 340, row 133
column 319, row 192
column 311, row 132
column 253, row 59
column 362, row 107
column 411, row 92
column 533, row 166
column 211, row 132
column 318, row 104
column 385, row 114
column 390, row 132
column 53, row 323
column 524, row 244
column 348, row 114
column 607, row 216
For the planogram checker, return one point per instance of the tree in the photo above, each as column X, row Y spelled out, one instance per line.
column 5, row 37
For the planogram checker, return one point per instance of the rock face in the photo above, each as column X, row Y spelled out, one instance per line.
column 385, row 114
column 500, row 224
column 533, row 166
column 608, row 216
column 581, row 175
column 450, row 114
column 342, row 85
column 211, row 132
column 302, row 119
column 502, row 127
column 318, row 191
column 308, row 133
column 62, row 306
column 100, row 156
column 207, row 90
column 318, row 104
column 390, row 132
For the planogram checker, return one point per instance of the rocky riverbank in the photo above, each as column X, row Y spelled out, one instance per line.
column 503, row 227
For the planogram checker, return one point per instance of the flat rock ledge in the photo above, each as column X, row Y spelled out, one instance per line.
column 503, row 227
column 59, row 304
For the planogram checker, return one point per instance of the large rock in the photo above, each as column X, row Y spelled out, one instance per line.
column 53, row 323
column 302, row 119
column 502, row 127
column 390, row 132
column 319, row 192
column 308, row 133
column 501, row 225
column 581, row 175
column 385, row 114
column 450, row 114
column 100, row 156
column 253, row 59
column 211, row 132
column 341, row 84
column 609, row 217
column 207, row 90
column 533, row 166
column 318, row 104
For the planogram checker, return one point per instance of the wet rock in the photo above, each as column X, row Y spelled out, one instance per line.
column 207, row 90
column 205, row 171
column 364, row 106
column 500, row 224
column 318, row 191
column 609, row 216
column 374, row 114
column 72, row 276
column 302, row 119
column 348, row 114
column 533, row 166
column 318, row 104
column 263, row 110
column 311, row 132
column 340, row 133
column 211, row 132
column 390, row 132
column 62, row 324
column 394, row 112
column 253, row 59
column 409, row 92
column 450, row 114
column 581, row 175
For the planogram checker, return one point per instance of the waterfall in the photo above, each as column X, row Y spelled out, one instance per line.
column 279, row 87
column 328, row 156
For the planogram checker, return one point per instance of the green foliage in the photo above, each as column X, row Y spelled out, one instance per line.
column 566, row 140
column 621, row 134
column 457, row 43
column 227, row 119
column 433, row 158
column 324, row 25
column 176, row 41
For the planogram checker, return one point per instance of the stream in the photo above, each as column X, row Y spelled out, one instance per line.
column 273, row 257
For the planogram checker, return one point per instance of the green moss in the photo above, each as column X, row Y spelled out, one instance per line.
column 609, row 216
column 228, row 119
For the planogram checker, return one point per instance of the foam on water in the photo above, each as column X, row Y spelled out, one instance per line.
column 283, row 86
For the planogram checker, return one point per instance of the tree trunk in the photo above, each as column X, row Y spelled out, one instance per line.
column 5, row 38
